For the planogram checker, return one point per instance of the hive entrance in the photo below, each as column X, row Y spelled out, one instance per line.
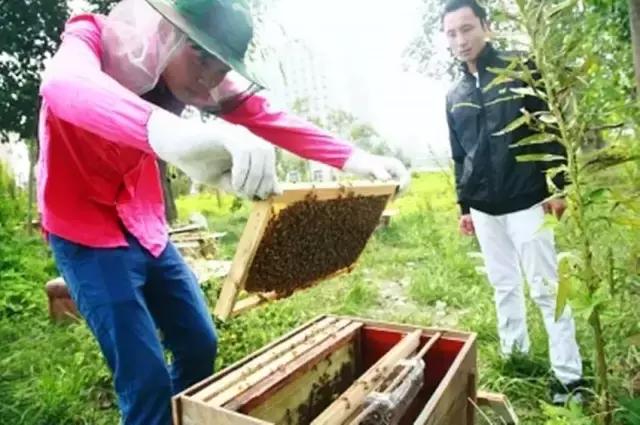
column 308, row 234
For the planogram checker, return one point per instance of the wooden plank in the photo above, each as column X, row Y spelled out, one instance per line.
column 176, row 411
column 424, row 350
column 429, row 332
column 302, row 399
column 390, row 213
column 252, row 301
column 197, row 413
column 259, row 218
column 458, row 383
column 455, row 409
column 321, row 328
column 324, row 191
column 343, row 407
column 500, row 404
column 380, row 324
column 290, row 372
column 187, row 245
column 242, row 306
column 247, row 382
column 224, row 382
column 247, row 246
column 199, row 238
column 405, row 370
column 186, row 229
column 443, row 406
column 345, row 270
column 359, row 358
column 465, row 361
column 202, row 385
column 385, row 218
column 358, row 417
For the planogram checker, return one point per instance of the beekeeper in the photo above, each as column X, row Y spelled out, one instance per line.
column 111, row 102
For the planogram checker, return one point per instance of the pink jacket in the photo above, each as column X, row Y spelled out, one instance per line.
column 97, row 174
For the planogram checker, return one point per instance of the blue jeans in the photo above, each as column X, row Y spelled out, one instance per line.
column 126, row 295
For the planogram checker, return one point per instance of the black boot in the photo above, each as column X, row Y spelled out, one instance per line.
column 562, row 394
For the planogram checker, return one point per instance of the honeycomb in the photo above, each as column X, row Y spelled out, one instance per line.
column 310, row 240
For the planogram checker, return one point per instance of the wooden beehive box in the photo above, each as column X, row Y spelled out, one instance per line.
column 319, row 373
column 309, row 233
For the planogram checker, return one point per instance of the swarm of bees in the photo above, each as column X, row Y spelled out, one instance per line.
column 311, row 240
column 323, row 393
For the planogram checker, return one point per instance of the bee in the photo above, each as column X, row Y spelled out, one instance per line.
column 310, row 240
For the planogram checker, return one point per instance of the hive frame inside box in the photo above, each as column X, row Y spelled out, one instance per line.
column 451, row 397
column 262, row 212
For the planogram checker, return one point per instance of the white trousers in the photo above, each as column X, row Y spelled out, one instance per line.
column 515, row 247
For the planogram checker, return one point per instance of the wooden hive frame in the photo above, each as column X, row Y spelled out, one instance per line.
column 262, row 213
column 256, row 379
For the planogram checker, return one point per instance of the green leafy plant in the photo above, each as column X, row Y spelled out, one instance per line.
column 584, row 104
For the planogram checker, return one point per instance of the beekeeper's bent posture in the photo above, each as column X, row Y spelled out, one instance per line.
column 111, row 99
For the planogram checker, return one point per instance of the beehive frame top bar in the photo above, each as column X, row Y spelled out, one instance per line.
column 324, row 191
column 264, row 211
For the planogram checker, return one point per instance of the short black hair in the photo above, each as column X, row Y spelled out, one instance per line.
column 478, row 10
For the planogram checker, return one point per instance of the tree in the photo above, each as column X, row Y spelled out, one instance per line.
column 422, row 52
column 367, row 138
column 621, row 19
column 618, row 21
column 103, row 6
column 343, row 124
column 362, row 134
column 584, row 77
column 287, row 162
column 634, row 20
column 29, row 33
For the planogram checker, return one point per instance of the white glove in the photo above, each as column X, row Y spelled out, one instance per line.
column 377, row 167
column 208, row 152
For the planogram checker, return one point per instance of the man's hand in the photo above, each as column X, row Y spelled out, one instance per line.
column 556, row 207
column 253, row 173
column 466, row 225
column 383, row 168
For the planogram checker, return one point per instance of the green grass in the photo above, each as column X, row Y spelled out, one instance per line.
column 416, row 271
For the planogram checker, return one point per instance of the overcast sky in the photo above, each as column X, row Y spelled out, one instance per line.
column 366, row 39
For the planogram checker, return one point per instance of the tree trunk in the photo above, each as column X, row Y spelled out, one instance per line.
column 602, row 383
column 170, row 210
column 218, row 198
column 634, row 19
column 32, row 149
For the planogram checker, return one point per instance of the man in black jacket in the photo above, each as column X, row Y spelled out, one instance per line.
column 503, row 201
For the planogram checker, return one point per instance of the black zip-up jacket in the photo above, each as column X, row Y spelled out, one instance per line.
column 488, row 176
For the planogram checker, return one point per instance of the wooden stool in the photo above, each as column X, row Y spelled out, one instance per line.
column 385, row 219
column 61, row 306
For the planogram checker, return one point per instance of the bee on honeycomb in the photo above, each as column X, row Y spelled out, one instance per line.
column 310, row 240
